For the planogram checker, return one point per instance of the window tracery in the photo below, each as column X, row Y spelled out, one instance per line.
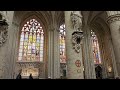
column 31, row 41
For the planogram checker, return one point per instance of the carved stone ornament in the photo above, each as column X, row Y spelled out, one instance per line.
column 77, row 35
column 76, row 40
column 76, row 19
column 27, row 64
column 113, row 18
column 3, row 31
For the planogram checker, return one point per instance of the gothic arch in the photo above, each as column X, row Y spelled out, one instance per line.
column 26, row 16
column 104, row 37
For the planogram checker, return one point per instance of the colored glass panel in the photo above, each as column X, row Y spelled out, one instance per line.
column 31, row 41
column 62, row 44
column 95, row 47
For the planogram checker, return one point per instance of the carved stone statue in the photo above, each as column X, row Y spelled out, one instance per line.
column 3, row 31
column 76, row 19
column 76, row 40
column 77, row 35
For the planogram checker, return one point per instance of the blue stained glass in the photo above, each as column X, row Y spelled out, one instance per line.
column 97, row 56
column 33, row 51
column 26, row 39
column 22, row 39
column 38, row 40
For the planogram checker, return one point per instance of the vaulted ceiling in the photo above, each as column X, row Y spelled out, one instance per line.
column 95, row 19
column 47, row 17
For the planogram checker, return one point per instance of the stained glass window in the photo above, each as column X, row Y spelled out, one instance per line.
column 95, row 48
column 62, row 44
column 31, row 42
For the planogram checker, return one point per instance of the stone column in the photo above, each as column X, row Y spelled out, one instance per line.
column 56, row 54
column 103, row 57
column 15, row 49
column 88, row 55
column 91, row 61
column 74, row 59
column 50, row 53
column 113, row 59
column 114, row 22
column 53, row 56
column 49, row 60
column 10, row 53
column 7, row 50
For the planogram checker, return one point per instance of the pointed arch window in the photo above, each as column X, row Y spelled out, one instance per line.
column 95, row 48
column 62, row 43
column 31, row 42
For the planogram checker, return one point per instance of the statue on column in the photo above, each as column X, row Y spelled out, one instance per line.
column 3, row 31
column 76, row 19
column 77, row 35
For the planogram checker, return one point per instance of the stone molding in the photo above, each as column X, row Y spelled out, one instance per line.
column 113, row 18
column 25, row 64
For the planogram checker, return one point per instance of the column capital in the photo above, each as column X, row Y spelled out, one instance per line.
column 52, row 28
column 113, row 18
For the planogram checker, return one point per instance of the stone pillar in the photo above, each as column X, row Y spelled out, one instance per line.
column 53, row 54
column 50, row 53
column 113, row 60
column 108, row 57
column 88, row 55
column 103, row 57
column 15, row 49
column 114, row 22
column 10, row 53
column 56, row 54
column 49, row 60
column 91, row 61
column 6, row 65
column 74, row 59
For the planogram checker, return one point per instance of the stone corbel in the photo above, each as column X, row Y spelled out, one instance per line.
column 76, row 40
